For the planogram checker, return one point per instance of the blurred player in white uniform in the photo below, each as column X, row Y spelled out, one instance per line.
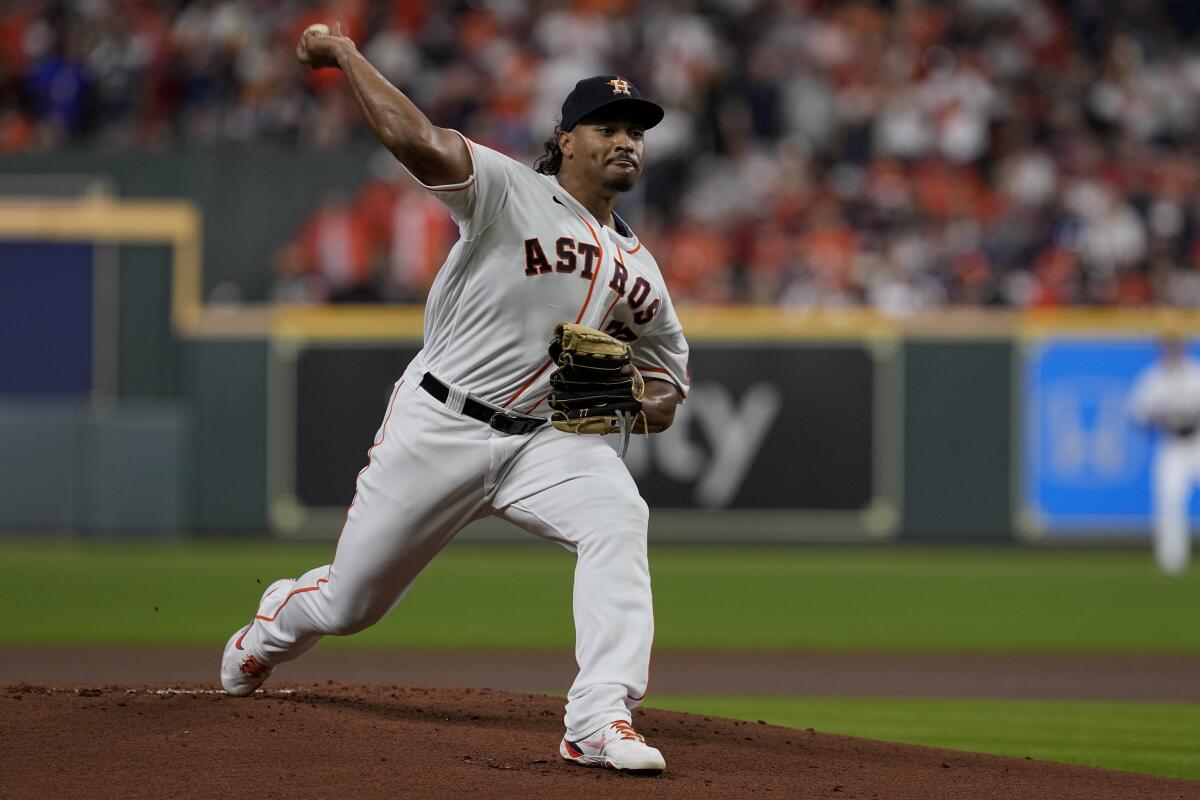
column 1166, row 397
column 465, row 434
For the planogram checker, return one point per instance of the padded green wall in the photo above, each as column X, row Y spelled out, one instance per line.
column 147, row 349
column 957, row 439
column 225, row 382
column 106, row 469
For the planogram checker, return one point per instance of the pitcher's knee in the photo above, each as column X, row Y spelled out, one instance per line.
column 626, row 526
column 630, row 514
column 641, row 510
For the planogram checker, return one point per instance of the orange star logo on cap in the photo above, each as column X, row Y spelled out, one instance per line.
column 620, row 85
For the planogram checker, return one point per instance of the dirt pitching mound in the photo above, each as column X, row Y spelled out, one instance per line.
column 391, row 741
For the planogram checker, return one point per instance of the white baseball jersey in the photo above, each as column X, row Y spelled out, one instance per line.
column 1168, row 394
column 529, row 257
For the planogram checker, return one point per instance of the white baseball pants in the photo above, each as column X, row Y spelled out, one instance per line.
column 433, row 471
column 1176, row 469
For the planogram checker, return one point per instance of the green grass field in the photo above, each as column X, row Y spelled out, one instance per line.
column 1159, row 738
column 749, row 599
column 480, row 596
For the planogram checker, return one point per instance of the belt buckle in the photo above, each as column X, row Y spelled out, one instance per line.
column 512, row 424
column 502, row 422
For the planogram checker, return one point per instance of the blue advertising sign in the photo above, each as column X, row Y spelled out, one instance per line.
column 1086, row 463
column 46, row 299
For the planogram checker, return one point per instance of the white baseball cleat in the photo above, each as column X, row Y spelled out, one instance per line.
column 242, row 673
column 615, row 746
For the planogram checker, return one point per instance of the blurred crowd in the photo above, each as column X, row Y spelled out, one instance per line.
column 902, row 154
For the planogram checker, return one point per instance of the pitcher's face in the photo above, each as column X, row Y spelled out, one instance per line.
column 606, row 153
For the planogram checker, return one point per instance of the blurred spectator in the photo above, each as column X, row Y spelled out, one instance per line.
column 410, row 231
column 331, row 260
column 897, row 154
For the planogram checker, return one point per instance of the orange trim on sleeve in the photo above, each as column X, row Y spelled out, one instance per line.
column 634, row 250
column 474, row 170
column 470, row 182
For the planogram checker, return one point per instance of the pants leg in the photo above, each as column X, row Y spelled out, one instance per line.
column 423, row 484
column 574, row 490
column 1172, row 484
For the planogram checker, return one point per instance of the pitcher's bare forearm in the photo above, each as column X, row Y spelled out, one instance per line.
column 436, row 156
column 659, row 406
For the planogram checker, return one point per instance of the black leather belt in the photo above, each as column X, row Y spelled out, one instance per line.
column 502, row 421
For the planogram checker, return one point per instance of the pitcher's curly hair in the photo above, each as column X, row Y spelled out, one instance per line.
column 551, row 160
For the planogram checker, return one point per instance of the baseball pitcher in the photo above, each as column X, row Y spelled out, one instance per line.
column 548, row 326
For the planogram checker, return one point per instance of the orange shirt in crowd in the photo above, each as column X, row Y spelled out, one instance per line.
column 695, row 261
column 1056, row 270
column 336, row 246
column 410, row 234
column 828, row 250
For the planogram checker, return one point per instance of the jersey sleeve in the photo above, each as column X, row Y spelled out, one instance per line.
column 477, row 202
column 662, row 351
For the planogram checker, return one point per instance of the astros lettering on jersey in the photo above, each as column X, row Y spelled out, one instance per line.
column 527, row 244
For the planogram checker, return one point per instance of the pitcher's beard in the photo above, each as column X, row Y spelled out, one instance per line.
column 622, row 183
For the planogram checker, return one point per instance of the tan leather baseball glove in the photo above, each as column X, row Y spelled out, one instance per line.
column 595, row 388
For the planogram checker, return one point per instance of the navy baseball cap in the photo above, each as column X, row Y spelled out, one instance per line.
column 608, row 91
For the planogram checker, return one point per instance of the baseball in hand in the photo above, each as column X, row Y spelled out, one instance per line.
column 317, row 29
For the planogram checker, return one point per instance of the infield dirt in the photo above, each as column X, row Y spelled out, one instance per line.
column 391, row 741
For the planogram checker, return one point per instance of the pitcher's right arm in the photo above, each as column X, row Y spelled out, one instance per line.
column 435, row 156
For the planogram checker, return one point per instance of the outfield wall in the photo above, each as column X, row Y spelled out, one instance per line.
column 130, row 405
column 251, row 199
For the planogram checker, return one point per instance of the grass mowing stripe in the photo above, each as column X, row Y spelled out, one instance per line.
column 518, row 596
column 1157, row 738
